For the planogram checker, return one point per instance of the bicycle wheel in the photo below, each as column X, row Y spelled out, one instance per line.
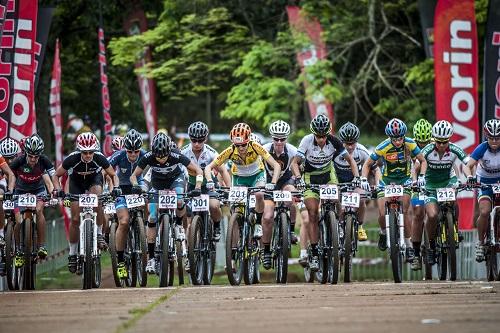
column 395, row 252
column 423, row 250
column 334, row 253
column 348, row 239
column 25, row 282
column 210, row 257
column 442, row 257
column 88, row 275
column 114, row 256
column 491, row 254
column 165, row 266
column 281, row 249
column 195, row 251
column 248, row 258
column 10, row 252
column 140, row 251
column 234, row 250
column 256, row 252
column 96, row 269
column 180, row 264
column 130, row 258
column 452, row 241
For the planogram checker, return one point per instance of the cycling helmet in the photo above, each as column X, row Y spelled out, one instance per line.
column 132, row 140
column 320, row 125
column 395, row 128
column 240, row 134
column 198, row 130
column 117, row 143
column 279, row 129
column 349, row 132
column 9, row 148
column 442, row 130
column 422, row 131
column 161, row 145
column 491, row 128
column 34, row 145
column 87, row 141
column 255, row 138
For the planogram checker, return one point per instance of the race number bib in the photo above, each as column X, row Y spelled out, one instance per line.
column 329, row 192
column 200, row 204
column 238, row 194
column 167, row 200
column 391, row 191
column 27, row 200
column 110, row 209
column 445, row 194
column 496, row 189
column 87, row 200
column 134, row 200
column 421, row 196
column 350, row 199
column 251, row 201
column 283, row 196
column 8, row 205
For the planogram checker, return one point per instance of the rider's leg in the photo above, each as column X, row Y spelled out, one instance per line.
column 121, row 232
column 304, row 232
column 417, row 226
column 267, row 221
column 40, row 226
column 293, row 213
column 2, row 218
column 216, row 216
column 483, row 218
column 407, row 228
column 312, row 205
column 382, row 240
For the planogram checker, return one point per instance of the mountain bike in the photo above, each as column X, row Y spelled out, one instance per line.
column 135, row 251
column 89, row 258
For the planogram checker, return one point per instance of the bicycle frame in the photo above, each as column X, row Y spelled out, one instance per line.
column 394, row 203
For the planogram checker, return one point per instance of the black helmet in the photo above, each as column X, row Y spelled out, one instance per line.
column 349, row 132
column 198, row 130
column 132, row 140
column 161, row 145
column 34, row 145
column 320, row 125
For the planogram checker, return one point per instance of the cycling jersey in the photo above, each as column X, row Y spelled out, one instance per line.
column 439, row 169
column 119, row 160
column 206, row 157
column 284, row 160
column 29, row 178
column 80, row 171
column 488, row 168
column 397, row 161
column 166, row 172
column 316, row 158
column 343, row 168
column 250, row 166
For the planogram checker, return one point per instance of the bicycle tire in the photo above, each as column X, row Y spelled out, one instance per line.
column 234, row 253
column 492, row 273
column 423, row 251
column 141, row 249
column 180, row 264
column 119, row 283
column 348, row 239
column 96, row 269
column 395, row 253
column 335, row 247
column 256, row 252
column 281, row 266
column 452, row 242
column 248, row 263
column 442, row 257
column 195, row 251
column 165, row 266
column 10, row 252
column 27, row 251
column 129, row 256
column 88, row 277
column 211, row 255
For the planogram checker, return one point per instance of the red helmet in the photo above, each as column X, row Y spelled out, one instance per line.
column 22, row 142
column 240, row 134
column 117, row 143
column 87, row 141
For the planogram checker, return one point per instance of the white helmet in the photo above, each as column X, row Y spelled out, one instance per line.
column 9, row 148
column 442, row 130
column 255, row 138
column 279, row 129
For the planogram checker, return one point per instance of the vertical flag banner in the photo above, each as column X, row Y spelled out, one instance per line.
column 491, row 89
column 17, row 68
column 456, row 82
column 310, row 55
column 426, row 10
column 134, row 25
column 42, row 33
column 55, row 104
column 106, row 103
column 3, row 14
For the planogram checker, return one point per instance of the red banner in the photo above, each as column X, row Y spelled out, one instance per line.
column 310, row 55
column 106, row 103
column 135, row 25
column 55, row 104
column 456, row 83
column 17, row 68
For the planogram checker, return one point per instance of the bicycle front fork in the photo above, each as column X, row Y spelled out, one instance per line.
column 401, row 225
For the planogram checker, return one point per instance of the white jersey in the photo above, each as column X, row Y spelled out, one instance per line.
column 343, row 168
column 488, row 168
column 317, row 158
column 206, row 156
column 284, row 160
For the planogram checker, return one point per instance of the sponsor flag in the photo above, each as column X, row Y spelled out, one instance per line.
column 106, row 103
column 426, row 9
column 456, row 82
column 310, row 55
column 134, row 25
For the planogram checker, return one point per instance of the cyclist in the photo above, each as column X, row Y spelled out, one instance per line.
column 84, row 168
column 117, row 143
column 29, row 169
column 396, row 152
column 201, row 154
column 318, row 150
column 440, row 157
column 283, row 153
column 247, row 167
column 349, row 136
column 422, row 135
column 9, row 148
column 486, row 157
column 125, row 160
column 167, row 174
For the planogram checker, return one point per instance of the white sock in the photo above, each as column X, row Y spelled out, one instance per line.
column 1, row 233
column 303, row 253
column 99, row 229
column 73, row 249
column 408, row 242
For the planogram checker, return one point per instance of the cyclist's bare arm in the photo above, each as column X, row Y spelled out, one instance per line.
column 225, row 175
column 199, row 173
column 352, row 163
column 55, row 178
column 111, row 173
column 276, row 169
column 10, row 176
column 423, row 163
column 294, row 166
column 133, row 177
column 48, row 182
column 366, row 167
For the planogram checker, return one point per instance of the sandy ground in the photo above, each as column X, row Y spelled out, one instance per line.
column 374, row 307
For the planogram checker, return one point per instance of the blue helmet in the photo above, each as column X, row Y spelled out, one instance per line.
column 395, row 128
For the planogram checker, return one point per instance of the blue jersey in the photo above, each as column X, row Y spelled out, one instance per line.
column 120, row 161
column 488, row 160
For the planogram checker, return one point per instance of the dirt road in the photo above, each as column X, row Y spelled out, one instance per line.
column 373, row 307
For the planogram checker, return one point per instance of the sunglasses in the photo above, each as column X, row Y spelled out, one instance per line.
column 493, row 138
column 398, row 139
column 350, row 143
column 197, row 140
column 33, row 156
column 132, row 151
column 87, row 153
column 161, row 158
column 279, row 139
column 423, row 143
column 319, row 136
column 441, row 142
column 240, row 145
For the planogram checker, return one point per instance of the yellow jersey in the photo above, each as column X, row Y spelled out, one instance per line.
column 252, row 163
